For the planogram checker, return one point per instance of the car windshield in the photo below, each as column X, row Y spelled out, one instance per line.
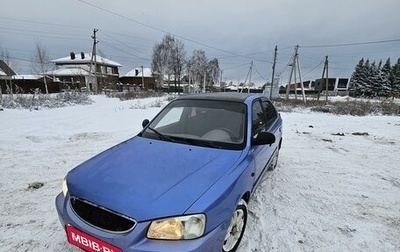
column 210, row 123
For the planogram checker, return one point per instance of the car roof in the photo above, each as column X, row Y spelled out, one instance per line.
column 222, row 96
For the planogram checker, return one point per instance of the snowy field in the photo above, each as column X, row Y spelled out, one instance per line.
column 336, row 187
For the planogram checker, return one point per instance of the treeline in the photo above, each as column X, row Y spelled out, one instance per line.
column 169, row 61
column 375, row 80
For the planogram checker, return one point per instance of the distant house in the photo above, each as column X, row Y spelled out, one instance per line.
column 6, row 74
column 25, row 84
column 78, row 71
column 335, row 86
column 12, row 83
column 28, row 83
column 136, row 77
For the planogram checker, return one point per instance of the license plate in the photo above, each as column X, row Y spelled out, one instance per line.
column 88, row 242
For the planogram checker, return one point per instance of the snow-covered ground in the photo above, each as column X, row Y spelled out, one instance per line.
column 333, row 190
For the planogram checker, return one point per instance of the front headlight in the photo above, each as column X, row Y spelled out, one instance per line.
column 64, row 186
column 178, row 228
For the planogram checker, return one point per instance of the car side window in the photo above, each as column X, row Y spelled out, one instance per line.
column 270, row 114
column 258, row 122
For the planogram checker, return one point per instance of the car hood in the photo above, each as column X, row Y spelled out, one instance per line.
column 147, row 179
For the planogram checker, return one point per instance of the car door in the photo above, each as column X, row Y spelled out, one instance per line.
column 264, row 118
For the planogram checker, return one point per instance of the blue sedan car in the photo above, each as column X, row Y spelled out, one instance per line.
column 182, row 184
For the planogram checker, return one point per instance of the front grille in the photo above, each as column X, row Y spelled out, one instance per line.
column 101, row 217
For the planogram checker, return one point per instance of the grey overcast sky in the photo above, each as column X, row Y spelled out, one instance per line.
column 235, row 32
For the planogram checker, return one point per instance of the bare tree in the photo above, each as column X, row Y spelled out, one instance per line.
column 41, row 63
column 213, row 71
column 197, row 67
column 179, row 60
column 169, row 59
column 167, row 55
column 157, row 63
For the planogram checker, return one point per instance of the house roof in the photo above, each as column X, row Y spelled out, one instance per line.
column 71, row 71
column 84, row 58
column 5, row 69
column 137, row 72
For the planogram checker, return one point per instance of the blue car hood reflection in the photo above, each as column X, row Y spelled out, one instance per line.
column 147, row 179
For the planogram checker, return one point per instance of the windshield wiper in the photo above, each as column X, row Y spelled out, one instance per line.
column 161, row 136
column 199, row 142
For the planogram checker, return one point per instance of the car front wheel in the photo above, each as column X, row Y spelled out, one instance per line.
column 236, row 228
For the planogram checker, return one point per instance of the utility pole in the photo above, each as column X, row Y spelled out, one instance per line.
column 325, row 70
column 295, row 66
column 290, row 81
column 144, row 86
column 93, row 59
column 273, row 72
column 301, row 81
column 295, row 77
column 248, row 76
column 251, row 70
column 220, row 79
column 326, row 80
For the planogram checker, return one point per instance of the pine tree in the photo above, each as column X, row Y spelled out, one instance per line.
column 355, row 85
column 386, row 79
column 371, row 79
column 366, row 79
column 375, row 79
column 396, row 79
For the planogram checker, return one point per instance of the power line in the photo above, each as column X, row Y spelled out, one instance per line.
column 121, row 50
column 15, row 58
column 43, row 23
column 262, row 77
column 128, row 46
column 353, row 44
column 288, row 64
column 314, row 68
column 228, row 68
column 244, row 56
column 161, row 30
column 125, row 45
column 35, row 33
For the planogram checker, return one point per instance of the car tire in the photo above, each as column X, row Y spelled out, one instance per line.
column 236, row 228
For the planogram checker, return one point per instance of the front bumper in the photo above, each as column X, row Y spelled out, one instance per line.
column 136, row 241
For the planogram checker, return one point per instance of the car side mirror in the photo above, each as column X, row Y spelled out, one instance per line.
column 145, row 122
column 264, row 138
